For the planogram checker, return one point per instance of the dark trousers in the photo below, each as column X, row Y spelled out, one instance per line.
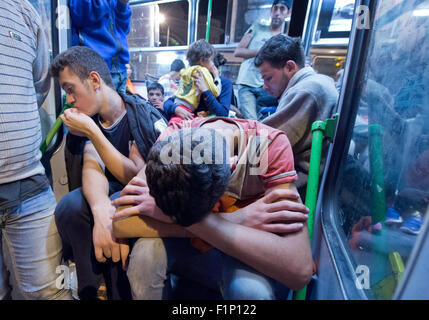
column 75, row 224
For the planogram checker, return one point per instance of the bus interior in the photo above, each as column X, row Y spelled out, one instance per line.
column 377, row 52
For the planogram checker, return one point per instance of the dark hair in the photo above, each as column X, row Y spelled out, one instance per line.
column 186, row 188
column 82, row 61
column 219, row 60
column 280, row 49
column 155, row 86
column 200, row 49
column 287, row 3
column 177, row 65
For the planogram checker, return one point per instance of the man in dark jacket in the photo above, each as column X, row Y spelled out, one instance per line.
column 124, row 129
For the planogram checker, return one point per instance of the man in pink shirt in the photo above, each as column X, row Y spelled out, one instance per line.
column 259, row 251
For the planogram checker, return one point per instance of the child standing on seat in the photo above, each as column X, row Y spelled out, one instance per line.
column 200, row 76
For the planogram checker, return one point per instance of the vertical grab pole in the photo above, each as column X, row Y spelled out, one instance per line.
column 209, row 18
column 318, row 129
column 53, row 131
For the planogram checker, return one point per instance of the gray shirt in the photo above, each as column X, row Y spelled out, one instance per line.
column 308, row 97
column 24, row 61
column 249, row 74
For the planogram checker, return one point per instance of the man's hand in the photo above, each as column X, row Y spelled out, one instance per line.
column 78, row 123
column 105, row 244
column 136, row 194
column 199, row 81
column 159, row 105
column 276, row 212
column 184, row 114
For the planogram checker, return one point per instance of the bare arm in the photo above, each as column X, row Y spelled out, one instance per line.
column 286, row 258
column 278, row 211
column 242, row 50
column 123, row 168
column 95, row 188
column 138, row 215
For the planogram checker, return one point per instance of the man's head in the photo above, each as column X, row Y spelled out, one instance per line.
column 280, row 11
column 155, row 93
column 188, row 172
column 83, row 74
column 177, row 65
column 219, row 60
column 199, row 52
column 278, row 60
column 129, row 70
column 175, row 68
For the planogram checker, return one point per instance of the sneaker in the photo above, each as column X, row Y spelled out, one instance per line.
column 412, row 225
column 392, row 217
column 377, row 228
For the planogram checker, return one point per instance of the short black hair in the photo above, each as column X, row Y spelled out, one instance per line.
column 155, row 86
column 287, row 3
column 200, row 49
column 82, row 61
column 186, row 183
column 177, row 65
column 219, row 60
column 280, row 49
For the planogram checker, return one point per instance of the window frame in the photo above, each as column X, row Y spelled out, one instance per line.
column 348, row 103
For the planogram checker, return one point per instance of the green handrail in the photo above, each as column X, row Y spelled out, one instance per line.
column 320, row 130
column 377, row 172
column 209, row 18
column 53, row 131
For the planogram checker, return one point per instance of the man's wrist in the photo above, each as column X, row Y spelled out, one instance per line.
column 93, row 131
column 102, row 210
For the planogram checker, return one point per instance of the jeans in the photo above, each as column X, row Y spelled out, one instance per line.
column 75, row 224
column 31, row 250
column 156, row 264
column 247, row 98
column 120, row 81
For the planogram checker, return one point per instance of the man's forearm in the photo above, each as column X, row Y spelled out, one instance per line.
column 120, row 166
column 284, row 258
column 95, row 189
column 245, row 53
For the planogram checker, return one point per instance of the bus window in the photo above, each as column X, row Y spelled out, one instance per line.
column 335, row 22
column 230, row 19
column 218, row 28
column 43, row 7
column 383, row 185
column 159, row 24
column 48, row 112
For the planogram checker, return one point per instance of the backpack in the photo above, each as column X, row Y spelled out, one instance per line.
column 146, row 122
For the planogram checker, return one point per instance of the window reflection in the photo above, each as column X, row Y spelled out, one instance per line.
column 44, row 9
column 384, row 190
column 159, row 25
column 48, row 111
